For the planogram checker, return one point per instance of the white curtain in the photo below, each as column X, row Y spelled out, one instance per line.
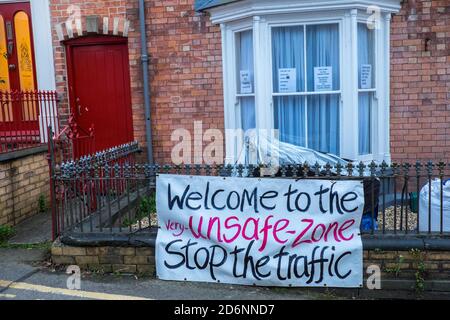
column 289, row 112
column 365, row 57
column 290, row 119
column 323, row 110
column 364, row 118
column 245, row 63
column 248, row 118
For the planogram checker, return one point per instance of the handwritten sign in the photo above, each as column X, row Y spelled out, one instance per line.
column 366, row 76
column 287, row 80
column 323, row 78
column 246, row 83
column 268, row 232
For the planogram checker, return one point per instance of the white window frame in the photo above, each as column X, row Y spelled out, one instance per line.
column 238, row 95
column 374, row 105
column 307, row 93
column 262, row 16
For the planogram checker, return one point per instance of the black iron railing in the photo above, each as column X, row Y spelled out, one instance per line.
column 110, row 193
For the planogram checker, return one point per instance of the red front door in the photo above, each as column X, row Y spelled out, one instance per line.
column 99, row 85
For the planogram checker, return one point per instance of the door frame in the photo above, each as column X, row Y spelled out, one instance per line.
column 90, row 40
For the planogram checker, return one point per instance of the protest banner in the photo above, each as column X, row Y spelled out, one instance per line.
column 256, row 231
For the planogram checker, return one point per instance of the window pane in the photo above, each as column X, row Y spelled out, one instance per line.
column 288, row 53
column 366, row 57
column 24, row 52
column 4, row 70
column 244, row 58
column 290, row 119
column 323, row 123
column 248, row 119
column 5, row 109
column 322, row 44
column 365, row 119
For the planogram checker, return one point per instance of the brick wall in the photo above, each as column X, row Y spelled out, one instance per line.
column 405, row 270
column 22, row 182
column 185, row 67
column 186, row 72
column 420, row 81
column 405, row 264
column 106, row 259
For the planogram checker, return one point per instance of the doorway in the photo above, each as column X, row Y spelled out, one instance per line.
column 99, row 88
column 17, row 71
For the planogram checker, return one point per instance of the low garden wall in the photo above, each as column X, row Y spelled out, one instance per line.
column 413, row 270
column 24, row 184
column 138, row 260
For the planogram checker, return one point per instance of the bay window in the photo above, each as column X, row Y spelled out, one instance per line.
column 318, row 75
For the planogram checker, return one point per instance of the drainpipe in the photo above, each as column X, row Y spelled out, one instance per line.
column 146, row 82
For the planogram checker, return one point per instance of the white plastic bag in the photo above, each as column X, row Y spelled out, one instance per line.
column 435, row 207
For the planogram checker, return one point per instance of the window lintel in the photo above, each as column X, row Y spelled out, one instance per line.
column 248, row 8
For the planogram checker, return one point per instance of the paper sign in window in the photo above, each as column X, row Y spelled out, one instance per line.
column 366, row 76
column 287, row 80
column 323, row 78
column 246, row 83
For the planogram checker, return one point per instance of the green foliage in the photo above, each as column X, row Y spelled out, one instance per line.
column 146, row 207
column 421, row 270
column 6, row 232
column 420, row 277
column 397, row 268
column 42, row 203
column 28, row 246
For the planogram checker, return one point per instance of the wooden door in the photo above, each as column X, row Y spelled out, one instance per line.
column 99, row 86
column 17, row 69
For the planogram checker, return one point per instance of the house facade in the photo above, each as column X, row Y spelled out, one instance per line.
column 366, row 80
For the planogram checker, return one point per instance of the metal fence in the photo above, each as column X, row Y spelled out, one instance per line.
column 71, row 141
column 24, row 118
column 109, row 193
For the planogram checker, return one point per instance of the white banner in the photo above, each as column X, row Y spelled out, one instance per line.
column 267, row 232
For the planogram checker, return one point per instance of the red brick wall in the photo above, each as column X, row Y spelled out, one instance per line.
column 185, row 67
column 186, row 72
column 420, row 81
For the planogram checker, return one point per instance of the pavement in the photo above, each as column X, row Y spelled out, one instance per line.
column 27, row 274
column 36, row 229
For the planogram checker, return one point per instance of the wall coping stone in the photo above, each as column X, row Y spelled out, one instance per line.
column 14, row 155
column 386, row 242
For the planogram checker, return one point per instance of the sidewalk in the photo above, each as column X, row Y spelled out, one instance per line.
column 36, row 229
column 25, row 274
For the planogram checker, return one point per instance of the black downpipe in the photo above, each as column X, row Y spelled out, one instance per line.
column 146, row 82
